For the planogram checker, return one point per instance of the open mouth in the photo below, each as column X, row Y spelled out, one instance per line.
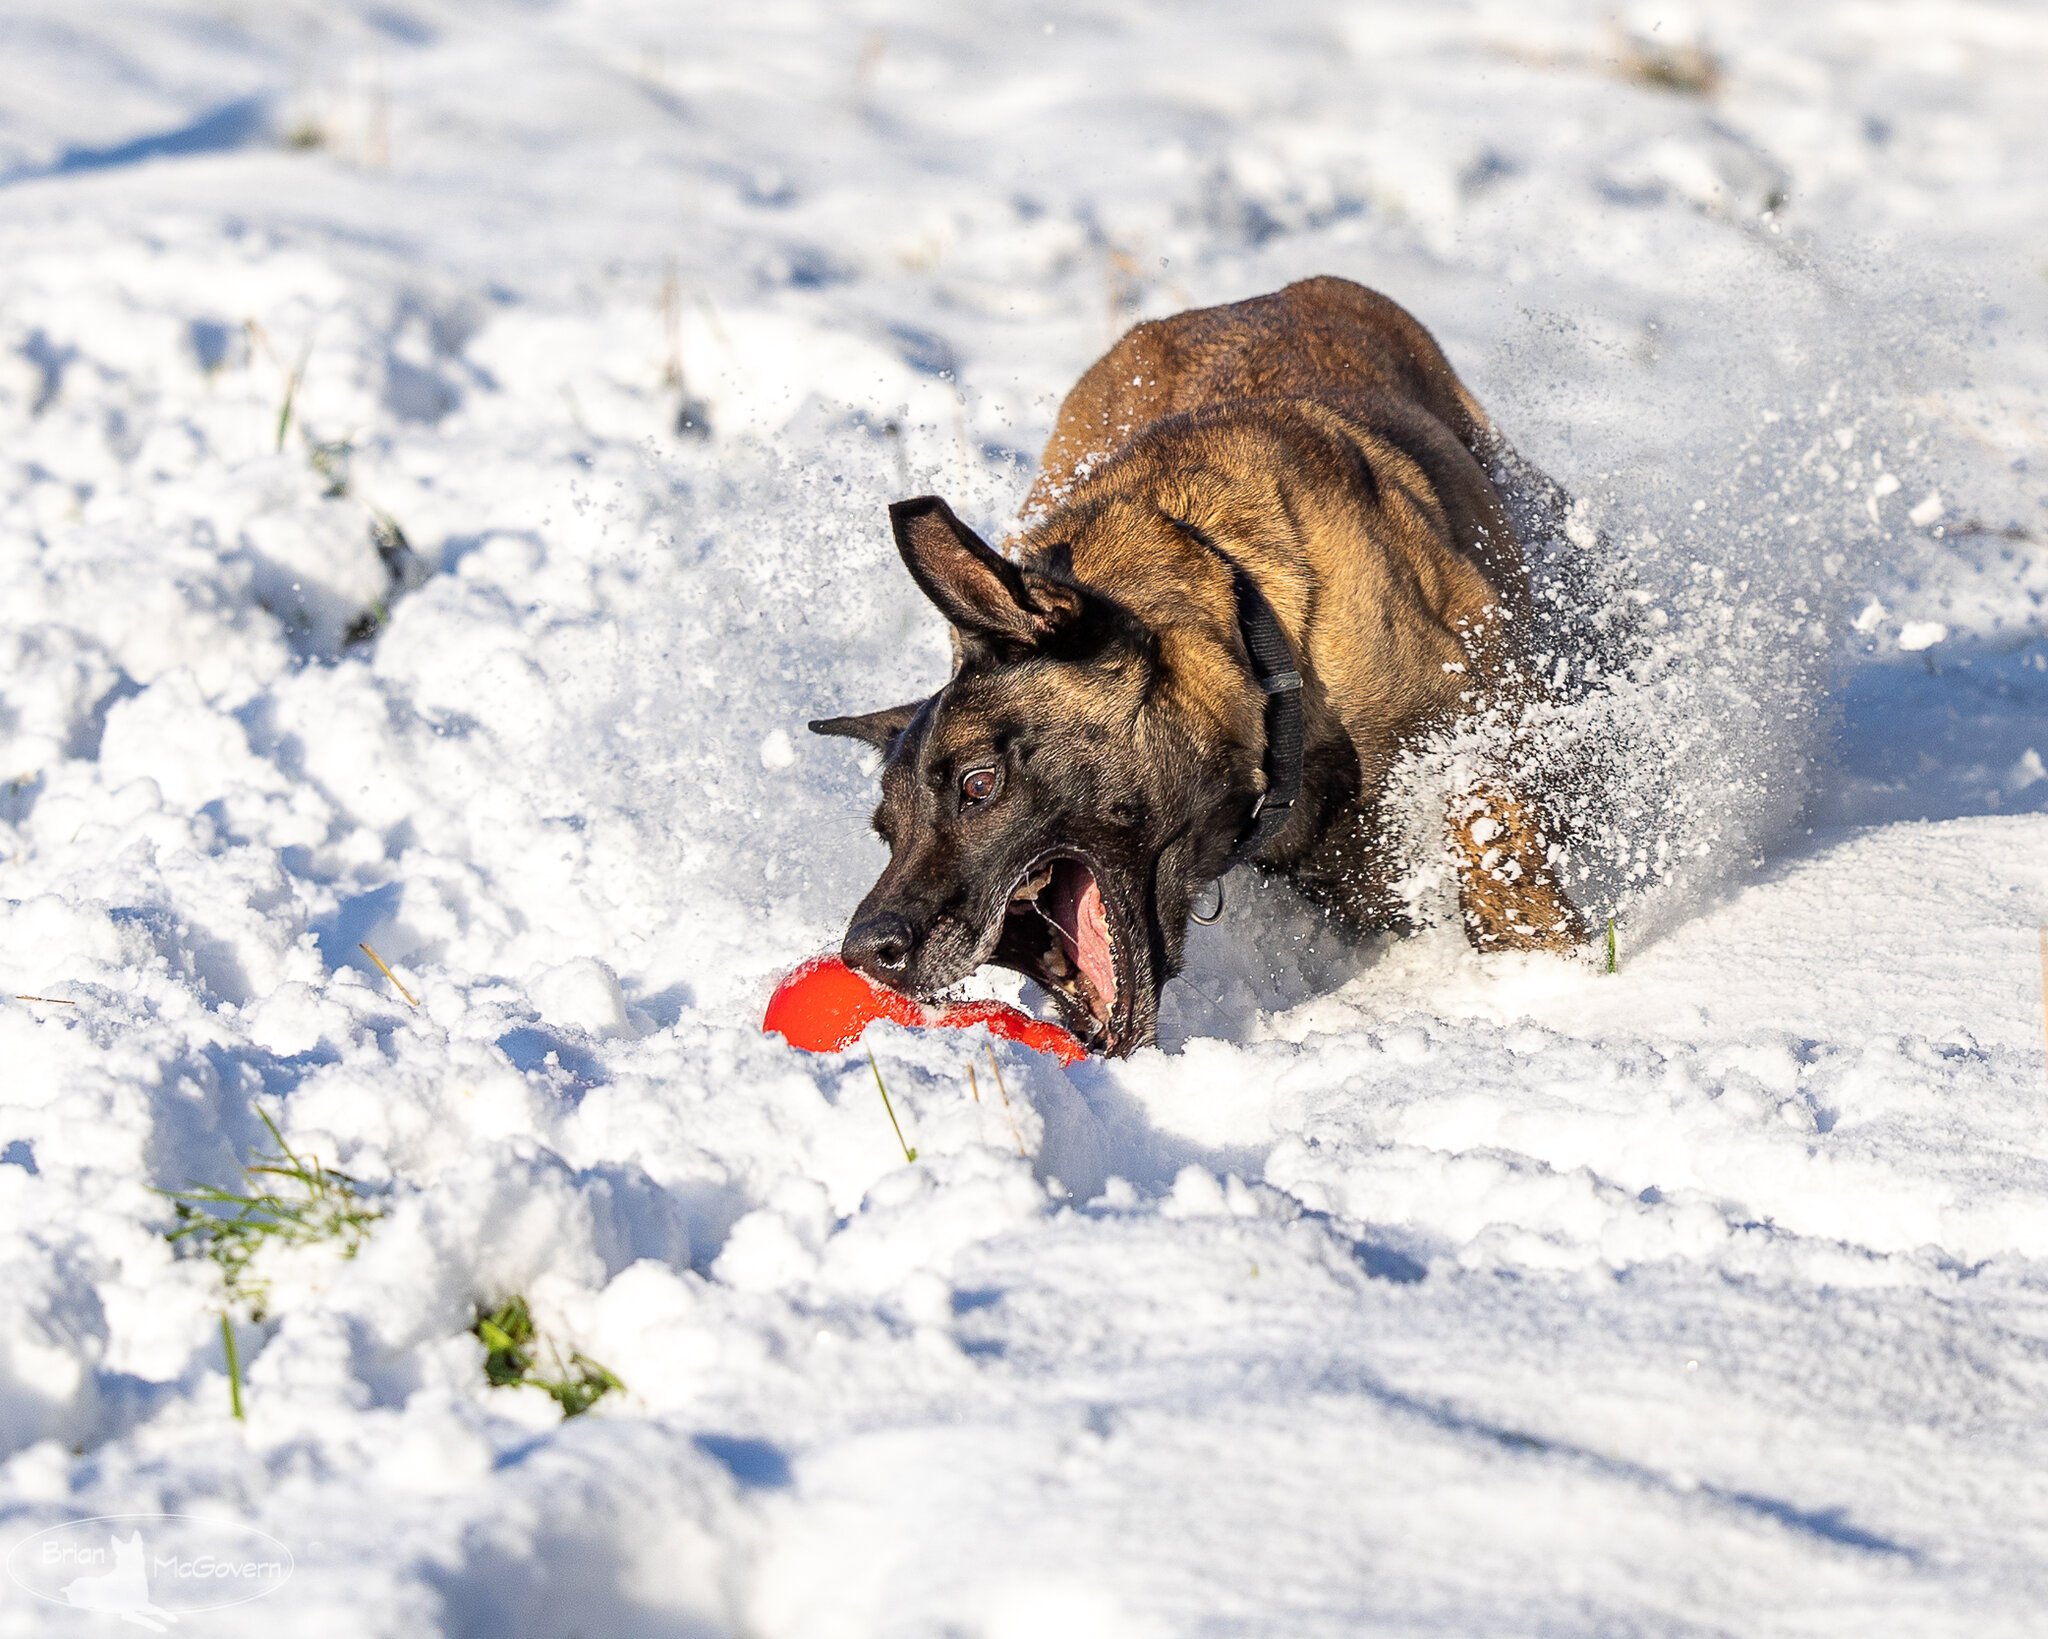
column 1059, row 930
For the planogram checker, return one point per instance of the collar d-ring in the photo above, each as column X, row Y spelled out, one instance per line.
column 1217, row 914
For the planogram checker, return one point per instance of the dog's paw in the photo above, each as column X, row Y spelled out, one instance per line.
column 1506, row 890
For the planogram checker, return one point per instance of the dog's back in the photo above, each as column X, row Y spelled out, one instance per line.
column 1324, row 340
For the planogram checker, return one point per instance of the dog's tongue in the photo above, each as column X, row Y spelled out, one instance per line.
column 1081, row 910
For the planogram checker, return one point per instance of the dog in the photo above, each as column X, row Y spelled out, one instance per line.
column 1269, row 547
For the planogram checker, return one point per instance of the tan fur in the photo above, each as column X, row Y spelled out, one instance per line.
column 1320, row 438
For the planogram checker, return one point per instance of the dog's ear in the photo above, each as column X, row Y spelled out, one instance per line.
column 876, row 728
column 981, row 593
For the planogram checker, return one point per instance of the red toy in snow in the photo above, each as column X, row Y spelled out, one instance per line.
column 823, row 1006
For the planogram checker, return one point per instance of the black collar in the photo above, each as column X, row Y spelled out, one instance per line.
column 1273, row 669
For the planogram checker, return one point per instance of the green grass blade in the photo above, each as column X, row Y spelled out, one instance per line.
column 909, row 1154
column 227, row 1340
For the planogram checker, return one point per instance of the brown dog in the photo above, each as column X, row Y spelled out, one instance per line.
column 1263, row 556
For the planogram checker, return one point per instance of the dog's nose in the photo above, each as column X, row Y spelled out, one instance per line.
column 879, row 945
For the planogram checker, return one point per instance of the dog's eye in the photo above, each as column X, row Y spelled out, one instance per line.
column 979, row 784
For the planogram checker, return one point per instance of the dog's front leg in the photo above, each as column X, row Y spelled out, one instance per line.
column 1507, row 888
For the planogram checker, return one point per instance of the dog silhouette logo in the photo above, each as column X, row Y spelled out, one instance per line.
column 122, row 1591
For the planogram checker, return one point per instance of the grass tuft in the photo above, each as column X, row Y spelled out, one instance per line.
column 293, row 374
column 403, row 572
column 909, row 1154
column 227, row 1344
column 1009, row 1111
column 285, row 1200
column 330, row 459
column 510, row 1348
column 411, row 1001
column 1613, row 959
column 1686, row 67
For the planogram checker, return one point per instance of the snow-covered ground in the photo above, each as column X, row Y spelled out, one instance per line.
column 1403, row 1291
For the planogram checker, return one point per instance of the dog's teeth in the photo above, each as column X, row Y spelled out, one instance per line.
column 1028, row 891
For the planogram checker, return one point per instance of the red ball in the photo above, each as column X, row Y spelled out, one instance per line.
column 824, row 1006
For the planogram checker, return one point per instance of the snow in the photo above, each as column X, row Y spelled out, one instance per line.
column 1402, row 1290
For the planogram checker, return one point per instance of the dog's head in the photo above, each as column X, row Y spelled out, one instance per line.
column 1042, row 811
